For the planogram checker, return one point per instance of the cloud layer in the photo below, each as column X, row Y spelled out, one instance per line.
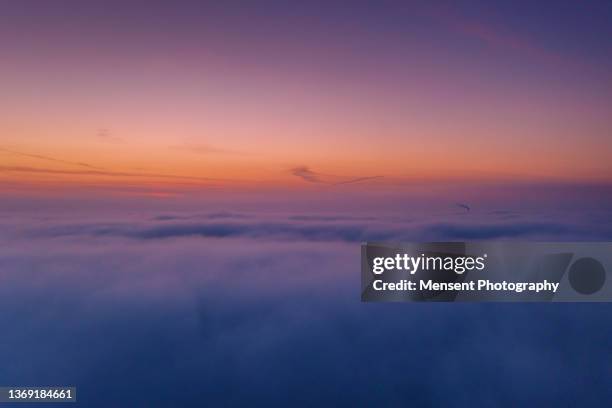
column 328, row 228
column 231, row 307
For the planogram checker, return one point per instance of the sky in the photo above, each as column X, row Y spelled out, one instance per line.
column 184, row 187
column 161, row 99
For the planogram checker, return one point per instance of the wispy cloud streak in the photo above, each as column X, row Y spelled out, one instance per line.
column 23, row 169
column 306, row 174
column 48, row 158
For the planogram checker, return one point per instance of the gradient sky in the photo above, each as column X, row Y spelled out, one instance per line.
column 172, row 95
column 184, row 186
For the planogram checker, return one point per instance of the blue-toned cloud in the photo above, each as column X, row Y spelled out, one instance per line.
column 231, row 308
column 316, row 230
column 233, row 320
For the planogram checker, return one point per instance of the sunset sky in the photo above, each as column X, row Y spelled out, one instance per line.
column 185, row 187
column 112, row 95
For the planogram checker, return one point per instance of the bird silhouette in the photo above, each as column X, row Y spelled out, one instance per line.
column 464, row 206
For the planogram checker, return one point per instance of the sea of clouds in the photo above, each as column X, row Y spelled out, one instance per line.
column 232, row 307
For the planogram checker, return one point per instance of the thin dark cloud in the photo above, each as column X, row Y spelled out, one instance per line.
column 24, row 169
column 307, row 174
column 51, row 159
column 357, row 180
